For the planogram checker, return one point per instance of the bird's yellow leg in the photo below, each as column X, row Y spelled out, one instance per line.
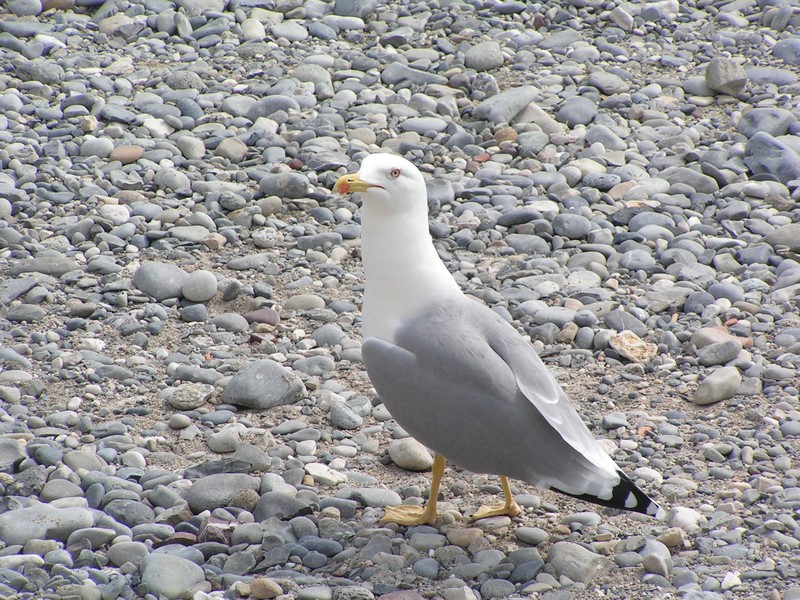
column 508, row 507
column 417, row 515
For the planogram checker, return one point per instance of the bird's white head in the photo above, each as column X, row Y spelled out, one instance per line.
column 404, row 274
column 389, row 181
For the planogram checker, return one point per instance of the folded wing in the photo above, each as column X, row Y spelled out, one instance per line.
column 464, row 383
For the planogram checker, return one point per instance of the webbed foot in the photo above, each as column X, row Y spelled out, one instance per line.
column 497, row 510
column 507, row 508
column 409, row 516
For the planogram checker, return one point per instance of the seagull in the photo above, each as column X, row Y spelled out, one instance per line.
column 454, row 374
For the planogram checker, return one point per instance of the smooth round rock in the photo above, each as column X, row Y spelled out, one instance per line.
column 219, row 491
column 42, row 521
column 170, row 576
column 532, row 535
column 571, row 225
column 132, row 552
column 409, row 454
column 160, row 280
column 576, row 562
column 234, row 149
column 199, row 286
column 60, row 488
column 484, row 56
column 722, row 384
column 263, row 384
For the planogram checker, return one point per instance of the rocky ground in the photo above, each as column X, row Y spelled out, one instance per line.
column 183, row 409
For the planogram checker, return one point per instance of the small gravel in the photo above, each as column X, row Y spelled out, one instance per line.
column 183, row 407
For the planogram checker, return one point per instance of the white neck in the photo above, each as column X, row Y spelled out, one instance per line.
column 404, row 274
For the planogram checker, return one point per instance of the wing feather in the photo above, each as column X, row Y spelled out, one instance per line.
column 536, row 381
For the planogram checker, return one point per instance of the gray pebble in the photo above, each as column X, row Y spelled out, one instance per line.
column 199, row 286
column 719, row 353
column 726, row 76
column 196, row 313
column 376, row 497
column 571, row 226
column 484, row 56
column 720, row 385
column 219, row 491
column 280, row 505
column 578, row 110
column 497, row 588
column 160, row 280
column 576, row 562
column 343, row 417
column 12, row 452
column 25, row 313
column 263, row 384
column 409, row 454
column 503, row 107
column 426, row 567
column 170, row 576
column 231, row 322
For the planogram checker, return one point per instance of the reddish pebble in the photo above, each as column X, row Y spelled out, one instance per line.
column 126, row 154
column 58, row 4
column 263, row 315
column 178, row 538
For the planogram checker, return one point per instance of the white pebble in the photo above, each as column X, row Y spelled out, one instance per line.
column 411, row 455
column 687, row 519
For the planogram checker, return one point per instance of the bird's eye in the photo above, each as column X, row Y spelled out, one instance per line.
column 394, row 173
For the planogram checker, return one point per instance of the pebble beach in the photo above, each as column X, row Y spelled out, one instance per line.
column 184, row 412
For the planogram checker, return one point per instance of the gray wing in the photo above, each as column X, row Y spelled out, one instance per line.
column 466, row 384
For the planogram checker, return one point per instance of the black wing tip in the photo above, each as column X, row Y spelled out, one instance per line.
column 627, row 496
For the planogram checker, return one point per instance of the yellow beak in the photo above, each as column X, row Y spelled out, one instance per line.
column 347, row 184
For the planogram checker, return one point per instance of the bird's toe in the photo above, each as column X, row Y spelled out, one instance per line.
column 408, row 516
